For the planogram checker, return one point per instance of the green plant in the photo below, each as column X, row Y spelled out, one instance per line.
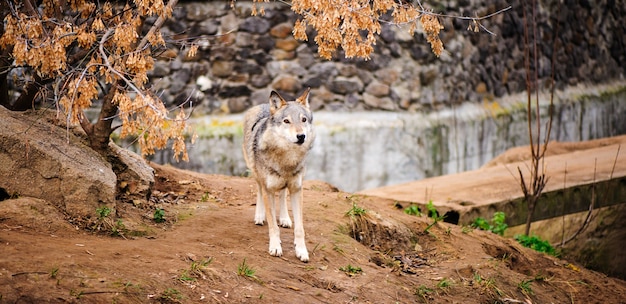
column 118, row 229
column 524, row 286
column 106, row 223
column 413, row 210
column 497, row 224
column 537, row 244
column 351, row 270
column 205, row 197
column 445, row 283
column 103, row 212
column 422, row 291
column 54, row 272
column 171, row 295
column 186, row 277
column 355, row 210
column 159, row 215
column 196, row 270
column 337, row 249
column 432, row 211
column 245, row 270
column 489, row 284
column 76, row 294
column 434, row 214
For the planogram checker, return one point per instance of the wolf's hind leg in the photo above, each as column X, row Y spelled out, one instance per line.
column 259, row 211
column 284, row 219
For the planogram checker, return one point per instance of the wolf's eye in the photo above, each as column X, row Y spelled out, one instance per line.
column 286, row 121
column 303, row 119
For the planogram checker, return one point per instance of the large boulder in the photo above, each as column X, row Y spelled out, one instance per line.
column 42, row 160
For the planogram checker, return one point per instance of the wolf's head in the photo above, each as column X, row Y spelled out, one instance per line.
column 293, row 119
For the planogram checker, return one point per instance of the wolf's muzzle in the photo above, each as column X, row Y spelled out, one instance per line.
column 300, row 138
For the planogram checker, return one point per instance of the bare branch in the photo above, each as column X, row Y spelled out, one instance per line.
column 156, row 26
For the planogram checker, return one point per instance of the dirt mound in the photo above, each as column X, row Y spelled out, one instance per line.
column 208, row 249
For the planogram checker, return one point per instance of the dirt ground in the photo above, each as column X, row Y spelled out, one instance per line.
column 209, row 250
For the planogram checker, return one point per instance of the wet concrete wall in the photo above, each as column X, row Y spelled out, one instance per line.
column 356, row 151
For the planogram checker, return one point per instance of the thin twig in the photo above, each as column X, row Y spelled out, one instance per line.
column 593, row 199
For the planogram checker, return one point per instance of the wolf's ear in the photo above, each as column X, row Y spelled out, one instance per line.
column 304, row 98
column 276, row 102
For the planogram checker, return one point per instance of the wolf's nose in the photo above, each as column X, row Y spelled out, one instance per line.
column 300, row 138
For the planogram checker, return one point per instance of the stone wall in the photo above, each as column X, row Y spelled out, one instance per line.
column 242, row 58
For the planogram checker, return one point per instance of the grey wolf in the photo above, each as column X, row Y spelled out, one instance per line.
column 277, row 138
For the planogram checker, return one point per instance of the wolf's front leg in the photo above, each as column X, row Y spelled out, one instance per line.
column 283, row 220
column 259, row 211
column 274, row 232
column 298, row 232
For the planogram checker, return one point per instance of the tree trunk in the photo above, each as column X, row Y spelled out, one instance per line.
column 531, row 209
column 99, row 133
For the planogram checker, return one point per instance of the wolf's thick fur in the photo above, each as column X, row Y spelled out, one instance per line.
column 277, row 137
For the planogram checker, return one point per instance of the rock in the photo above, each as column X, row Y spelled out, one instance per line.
column 247, row 67
column 176, row 64
column 179, row 81
column 387, row 75
column 234, row 91
column 313, row 82
column 428, row 75
column 222, row 69
column 168, row 54
column 377, row 62
column 266, row 43
column 229, row 23
column 282, row 55
column 347, row 70
column 323, row 70
column 244, row 40
column 387, row 33
column 260, row 57
column 287, row 84
column 42, row 160
column 282, row 30
column 197, row 11
column 205, row 27
column 384, row 103
column 365, row 76
column 200, row 11
column 344, row 86
column 320, row 97
column 204, row 83
column 352, row 100
column 135, row 177
column 260, row 80
column 160, row 69
column 238, row 104
column 481, row 88
column 255, row 25
column 189, row 96
column 260, row 96
column 305, row 56
column 377, row 89
column 287, row 44
column 276, row 68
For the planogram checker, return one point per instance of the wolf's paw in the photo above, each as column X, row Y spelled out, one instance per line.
column 258, row 220
column 275, row 249
column 302, row 254
column 285, row 222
